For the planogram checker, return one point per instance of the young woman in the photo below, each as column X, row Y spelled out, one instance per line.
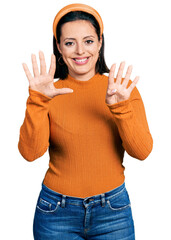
column 86, row 120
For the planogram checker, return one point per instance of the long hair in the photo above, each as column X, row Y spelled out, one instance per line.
column 62, row 69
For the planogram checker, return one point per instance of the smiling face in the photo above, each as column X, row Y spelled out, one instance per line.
column 79, row 46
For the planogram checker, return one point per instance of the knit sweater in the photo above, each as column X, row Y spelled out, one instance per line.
column 86, row 137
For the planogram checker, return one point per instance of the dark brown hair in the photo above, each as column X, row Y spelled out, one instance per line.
column 62, row 70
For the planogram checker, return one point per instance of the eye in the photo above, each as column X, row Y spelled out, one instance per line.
column 69, row 43
column 89, row 41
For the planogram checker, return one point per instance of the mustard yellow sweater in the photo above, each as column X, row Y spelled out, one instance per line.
column 86, row 138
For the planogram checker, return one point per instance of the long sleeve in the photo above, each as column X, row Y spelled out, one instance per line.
column 84, row 141
column 130, row 118
column 34, row 132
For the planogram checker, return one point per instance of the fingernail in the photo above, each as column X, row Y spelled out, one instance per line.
column 114, row 90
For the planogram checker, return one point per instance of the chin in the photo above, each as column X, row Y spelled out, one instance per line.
column 82, row 71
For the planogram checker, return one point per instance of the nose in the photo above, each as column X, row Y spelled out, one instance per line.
column 80, row 49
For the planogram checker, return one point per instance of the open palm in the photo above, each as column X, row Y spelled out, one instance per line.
column 117, row 90
column 43, row 82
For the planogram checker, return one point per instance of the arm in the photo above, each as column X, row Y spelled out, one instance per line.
column 34, row 132
column 130, row 118
column 126, row 105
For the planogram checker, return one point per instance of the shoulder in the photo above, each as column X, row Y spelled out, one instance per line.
column 59, row 83
column 103, row 78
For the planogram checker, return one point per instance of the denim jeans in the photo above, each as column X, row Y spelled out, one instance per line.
column 107, row 216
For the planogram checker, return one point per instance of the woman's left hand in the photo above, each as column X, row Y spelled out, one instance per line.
column 121, row 92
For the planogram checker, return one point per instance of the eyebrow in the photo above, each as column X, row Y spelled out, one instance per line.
column 75, row 39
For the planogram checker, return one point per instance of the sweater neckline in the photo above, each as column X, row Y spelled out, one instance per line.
column 79, row 83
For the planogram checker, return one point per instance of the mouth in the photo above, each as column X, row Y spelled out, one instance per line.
column 81, row 61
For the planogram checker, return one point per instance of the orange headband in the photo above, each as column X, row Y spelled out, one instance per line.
column 77, row 7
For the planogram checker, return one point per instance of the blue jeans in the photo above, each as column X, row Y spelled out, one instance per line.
column 107, row 216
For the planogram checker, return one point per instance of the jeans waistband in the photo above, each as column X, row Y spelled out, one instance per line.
column 86, row 201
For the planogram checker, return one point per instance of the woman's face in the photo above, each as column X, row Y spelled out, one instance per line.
column 79, row 46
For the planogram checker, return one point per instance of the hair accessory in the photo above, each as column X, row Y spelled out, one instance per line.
column 77, row 7
column 60, row 58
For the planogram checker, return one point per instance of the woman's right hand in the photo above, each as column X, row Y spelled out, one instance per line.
column 43, row 82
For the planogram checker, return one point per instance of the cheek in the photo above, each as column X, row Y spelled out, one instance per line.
column 95, row 55
column 95, row 51
column 66, row 52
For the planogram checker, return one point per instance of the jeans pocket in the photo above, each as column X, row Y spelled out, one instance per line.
column 119, row 201
column 47, row 204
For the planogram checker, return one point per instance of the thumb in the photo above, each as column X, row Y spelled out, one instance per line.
column 61, row 91
column 112, row 92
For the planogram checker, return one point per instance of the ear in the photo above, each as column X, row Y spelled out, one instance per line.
column 58, row 46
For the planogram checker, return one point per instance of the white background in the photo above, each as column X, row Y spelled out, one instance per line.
column 135, row 31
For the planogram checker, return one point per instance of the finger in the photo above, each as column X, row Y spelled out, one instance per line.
column 111, row 75
column 42, row 63
column 133, row 84
column 127, row 76
column 52, row 66
column 120, row 73
column 27, row 72
column 35, row 66
column 112, row 92
column 63, row 91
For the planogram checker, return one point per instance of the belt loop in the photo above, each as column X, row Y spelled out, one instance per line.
column 103, row 199
column 63, row 200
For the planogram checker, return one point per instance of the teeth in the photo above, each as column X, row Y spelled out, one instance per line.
column 81, row 60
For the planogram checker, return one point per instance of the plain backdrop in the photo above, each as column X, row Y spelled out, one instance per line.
column 135, row 31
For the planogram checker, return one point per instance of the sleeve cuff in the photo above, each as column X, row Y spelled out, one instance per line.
column 119, row 104
column 38, row 94
column 122, row 109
